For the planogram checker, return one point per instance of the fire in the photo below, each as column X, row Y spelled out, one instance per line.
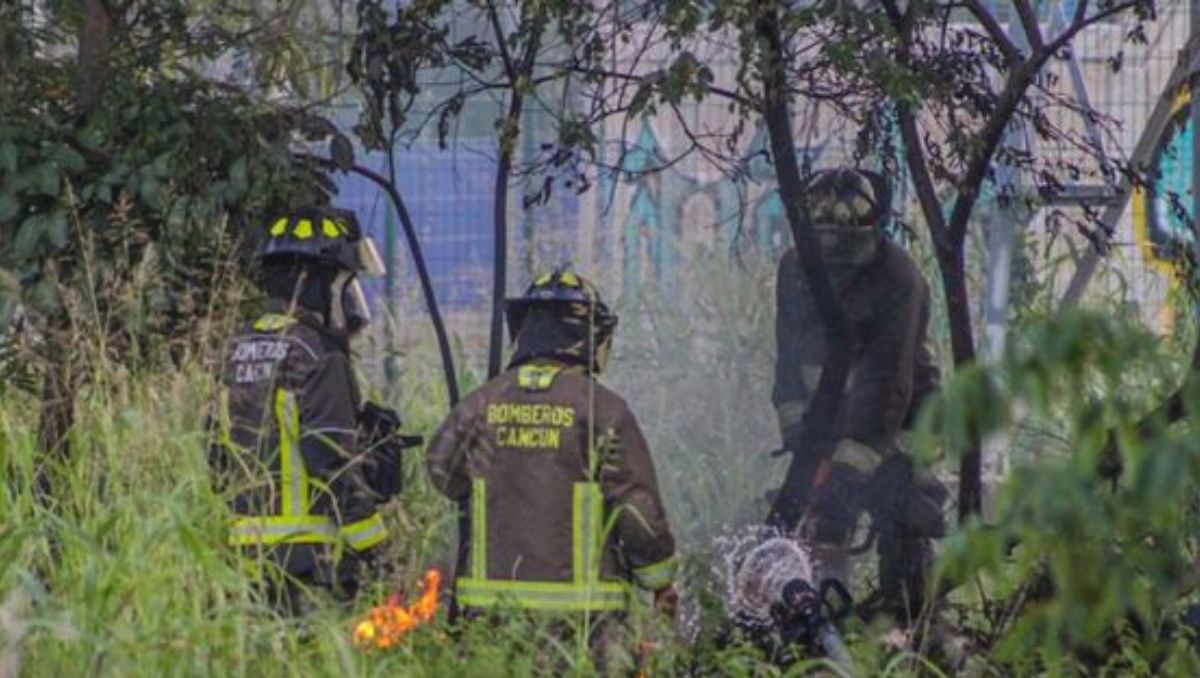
column 386, row 624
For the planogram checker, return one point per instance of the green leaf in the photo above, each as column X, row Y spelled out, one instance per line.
column 342, row 152
column 8, row 157
column 57, row 228
column 91, row 137
column 9, row 206
column 43, row 296
column 238, row 179
column 69, row 159
column 46, row 179
column 29, row 235
column 150, row 193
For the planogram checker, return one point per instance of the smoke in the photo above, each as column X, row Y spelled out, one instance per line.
column 12, row 632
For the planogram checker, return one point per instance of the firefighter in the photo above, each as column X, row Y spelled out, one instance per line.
column 287, row 451
column 886, row 301
column 565, row 511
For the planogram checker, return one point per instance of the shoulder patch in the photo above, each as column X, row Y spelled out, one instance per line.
column 537, row 377
column 273, row 322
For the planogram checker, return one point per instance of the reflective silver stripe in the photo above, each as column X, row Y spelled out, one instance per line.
column 559, row 597
column 856, row 455
column 291, row 464
column 587, row 515
column 478, row 528
column 281, row 529
column 790, row 413
column 365, row 533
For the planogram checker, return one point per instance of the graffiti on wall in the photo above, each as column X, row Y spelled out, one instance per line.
column 1162, row 210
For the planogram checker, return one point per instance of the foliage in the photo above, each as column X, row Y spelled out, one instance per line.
column 130, row 208
column 1074, row 559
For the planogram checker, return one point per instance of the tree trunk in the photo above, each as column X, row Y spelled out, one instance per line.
column 519, row 76
column 55, row 418
column 95, row 37
column 962, row 347
column 500, row 236
column 57, row 409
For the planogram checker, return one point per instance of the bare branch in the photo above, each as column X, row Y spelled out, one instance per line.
column 922, row 181
column 509, row 67
column 1080, row 23
column 994, row 30
column 1029, row 22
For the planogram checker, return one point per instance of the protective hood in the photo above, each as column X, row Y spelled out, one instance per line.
column 547, row 334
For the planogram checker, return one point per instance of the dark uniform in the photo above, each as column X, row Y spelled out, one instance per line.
column 288, row 451
column 886, row 302
column 548, row 456
column 565, row 506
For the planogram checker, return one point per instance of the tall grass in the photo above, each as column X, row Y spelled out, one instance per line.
column 124, row 571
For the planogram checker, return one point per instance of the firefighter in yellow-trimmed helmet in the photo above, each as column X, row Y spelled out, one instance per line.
column 886, row 301
column 566, row 514
column 288, row 450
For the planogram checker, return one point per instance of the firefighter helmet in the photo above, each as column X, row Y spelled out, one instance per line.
column 321, row 235
column 573, row 301
column 848, row 197
column 328, row 238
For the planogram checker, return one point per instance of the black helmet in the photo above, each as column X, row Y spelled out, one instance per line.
column 320, row 235
column 329, row 239
column 563, row 292
column 573, row 302
column 848, row 197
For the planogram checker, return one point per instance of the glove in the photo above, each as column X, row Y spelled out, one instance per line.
column 666, row 601
column 384, row 448
column 840, row 488
column 913, row 498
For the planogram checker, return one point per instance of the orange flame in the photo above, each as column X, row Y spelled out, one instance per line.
column 386, row 624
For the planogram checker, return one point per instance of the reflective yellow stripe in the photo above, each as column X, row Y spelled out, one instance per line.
column 587, row 508
column 548, row 596
column 537, row 377
column 279, row 227
column 294, row 474
column 273, row 322
column 478, row 528
column 659, row 575
column 363, row 534
column 586, row 592
column 282, row 529
column 224, row 422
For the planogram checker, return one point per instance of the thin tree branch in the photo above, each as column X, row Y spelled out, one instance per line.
column 994, row 30
column 922, row 180
column 1029, row 22
column 414, row 245
column 1080, row 23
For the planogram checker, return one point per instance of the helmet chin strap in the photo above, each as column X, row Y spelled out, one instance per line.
column 337, row 313
column 296, row 292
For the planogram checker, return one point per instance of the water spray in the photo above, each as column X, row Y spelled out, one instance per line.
column 773, row 599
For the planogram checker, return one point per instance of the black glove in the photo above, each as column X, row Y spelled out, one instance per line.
column 384, row 447
column 837, row 503
column 914, row 500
